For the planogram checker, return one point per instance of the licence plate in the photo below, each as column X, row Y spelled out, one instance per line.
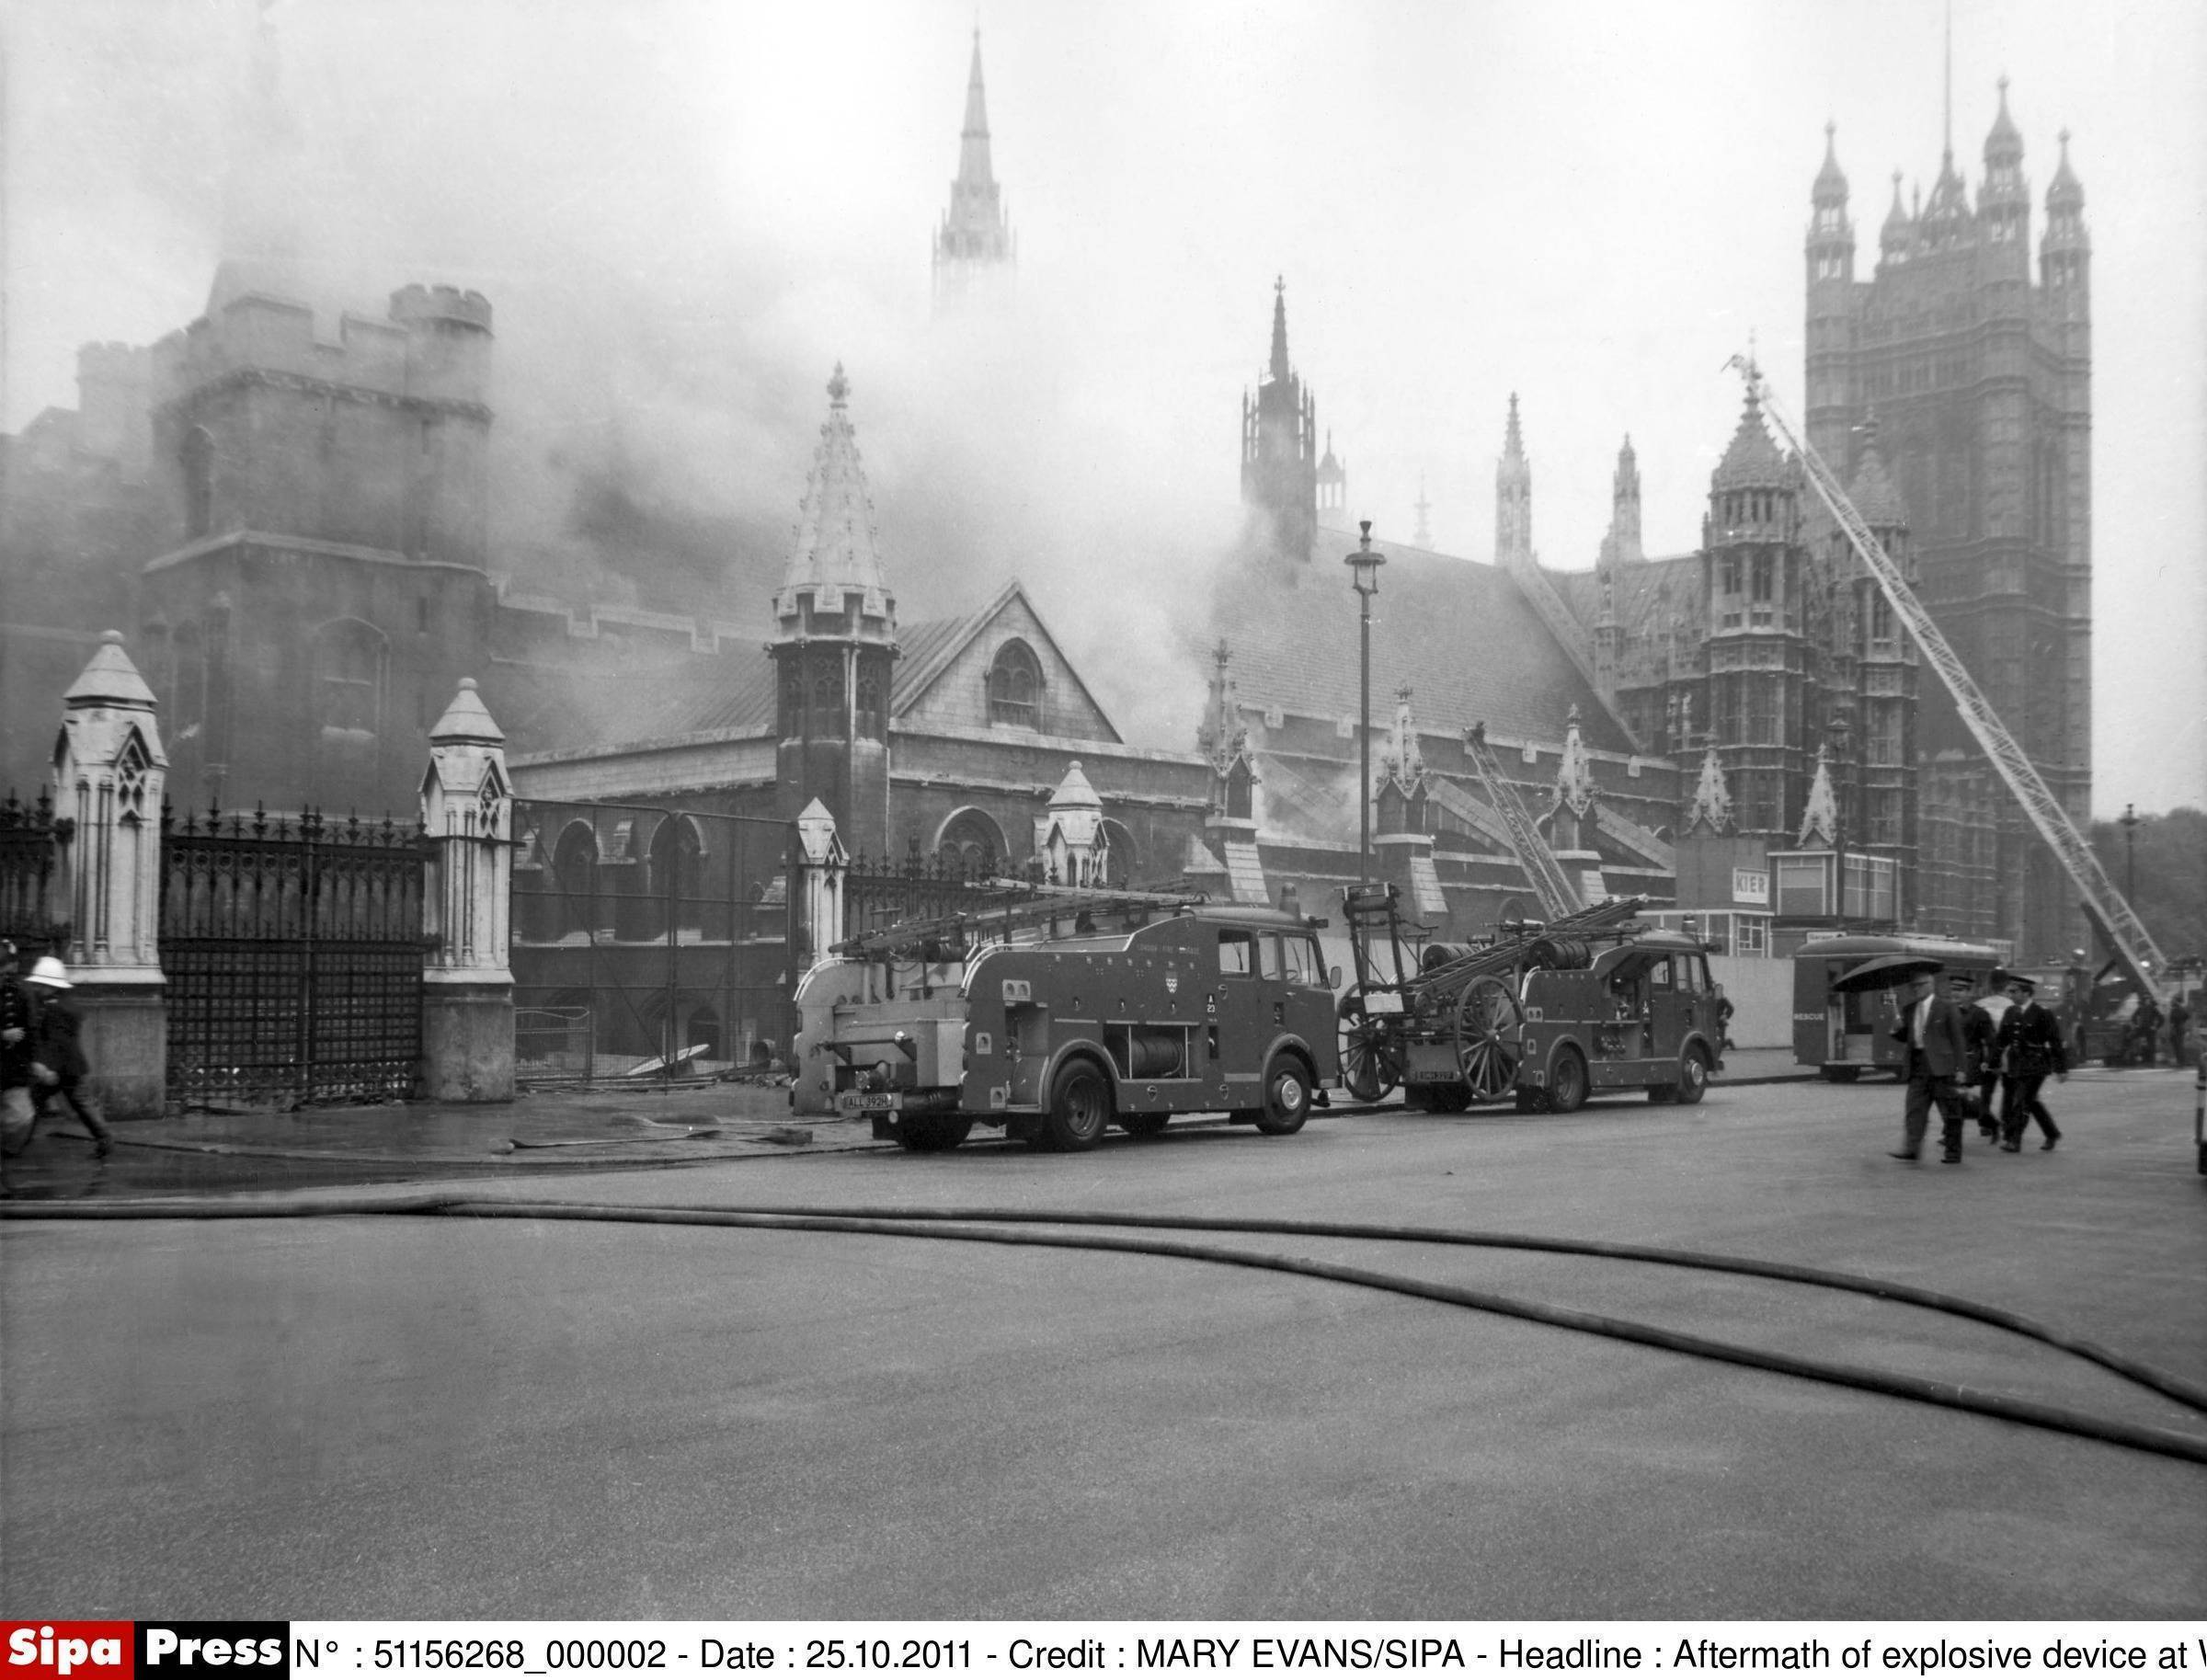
column 867, row 1102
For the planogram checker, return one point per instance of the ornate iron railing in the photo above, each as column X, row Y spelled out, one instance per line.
column 29, row 866
column 293, row 947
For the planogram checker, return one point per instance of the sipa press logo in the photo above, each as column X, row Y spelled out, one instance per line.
column 53, row 1650
column 263, row 1650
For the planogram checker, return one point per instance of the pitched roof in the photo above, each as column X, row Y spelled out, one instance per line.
column 1461, row 634
column 727, row 697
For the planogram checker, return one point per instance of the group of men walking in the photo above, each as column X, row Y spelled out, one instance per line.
column 42, row 1064
column 1960, row 1046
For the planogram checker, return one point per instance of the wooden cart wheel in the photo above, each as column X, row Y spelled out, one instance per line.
column 1490, row 1029
column 1371, row 1064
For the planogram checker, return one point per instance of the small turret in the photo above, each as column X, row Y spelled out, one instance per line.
column 1896, row 239
column 2004, row 202
column 1831, row 243
column 448, row 341
column 2065, row 252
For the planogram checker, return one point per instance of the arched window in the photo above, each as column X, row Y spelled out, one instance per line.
column 1120, row 855
column 872, row 720
column 575, row 868
column 972, row 841
column 1016, row 687
column 349, row 665
column 673, row 886
column 827, row 694
column 197, row 459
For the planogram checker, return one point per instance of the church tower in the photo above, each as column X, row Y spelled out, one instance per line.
column 1755, row 586
column 1980, row 380
column 975, row 253
column 1279, row 447
column 835, row 640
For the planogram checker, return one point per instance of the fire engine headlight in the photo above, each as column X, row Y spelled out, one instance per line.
column 881, row 1074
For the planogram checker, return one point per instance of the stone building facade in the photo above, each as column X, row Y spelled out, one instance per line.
column 1977, row 372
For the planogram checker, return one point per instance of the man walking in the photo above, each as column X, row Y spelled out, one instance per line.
column 2179, row 1023
column 2030, row 1048
column 57, row 1065
column 19, row 1019
column 1977, row 1078
column 1937, row 1053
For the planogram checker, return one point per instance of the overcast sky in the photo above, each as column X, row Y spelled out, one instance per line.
column 686, row 212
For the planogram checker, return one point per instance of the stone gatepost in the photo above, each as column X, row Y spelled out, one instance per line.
column 108, row 773
column 821, row 863
column 467, row 897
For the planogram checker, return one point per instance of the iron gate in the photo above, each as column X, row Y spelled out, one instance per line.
column 649, row 942
column 294, row 949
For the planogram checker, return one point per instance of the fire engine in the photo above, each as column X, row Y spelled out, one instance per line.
column 1545, row 1014
column 1059, row 1017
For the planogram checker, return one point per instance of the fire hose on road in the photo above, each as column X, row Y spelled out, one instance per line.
column 1020, row 1227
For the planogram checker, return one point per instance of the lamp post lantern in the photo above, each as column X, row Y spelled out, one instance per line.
column 1364, row 570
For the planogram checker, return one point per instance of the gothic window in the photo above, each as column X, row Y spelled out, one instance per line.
column 1885, row 735
column 676, row 849
column 972, row 841
column 873, row 721
column 827, row 694
column 348, row 664
column 1119, row 846
column 196, row 458
column 1016, row 687
column 793, row 701
column 575, row 868
column 1765, row 715
column 1764, row 572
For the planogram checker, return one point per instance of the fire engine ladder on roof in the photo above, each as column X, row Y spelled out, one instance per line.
column 1049, row 904
column 1558, row 897
column 2103, row 906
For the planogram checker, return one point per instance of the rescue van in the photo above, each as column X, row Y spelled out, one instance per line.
column 1058, row 1019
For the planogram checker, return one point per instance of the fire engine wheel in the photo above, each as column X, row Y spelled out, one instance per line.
column 1370, row 1063
column 1567, row 1083
column 1287, row 1097
column 1079, row 1110
column 1143, row 1126
column 930, row 1133
column 1489, row 1031
column 1693, row 1076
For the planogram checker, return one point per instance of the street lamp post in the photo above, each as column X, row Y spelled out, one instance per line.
column 2130, row 820
column 1364, row 567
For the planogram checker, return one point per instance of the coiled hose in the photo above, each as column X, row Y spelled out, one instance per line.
column 1017, row 1226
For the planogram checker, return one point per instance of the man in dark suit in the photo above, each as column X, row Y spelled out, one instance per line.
column 1979, row 1077
column 2029, row 1044
column 1939, row 1052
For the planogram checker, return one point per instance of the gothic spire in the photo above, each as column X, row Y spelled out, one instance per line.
column 1279, row 327
column 835, row 558
column 974, row 172
column 974, row 245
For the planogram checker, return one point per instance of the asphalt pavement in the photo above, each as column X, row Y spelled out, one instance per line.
column 544, row 1414
column 614, row 1126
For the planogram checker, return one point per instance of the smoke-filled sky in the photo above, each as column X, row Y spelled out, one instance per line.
column 685, row 212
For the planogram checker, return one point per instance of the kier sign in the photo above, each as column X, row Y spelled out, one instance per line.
column 1751, row 886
